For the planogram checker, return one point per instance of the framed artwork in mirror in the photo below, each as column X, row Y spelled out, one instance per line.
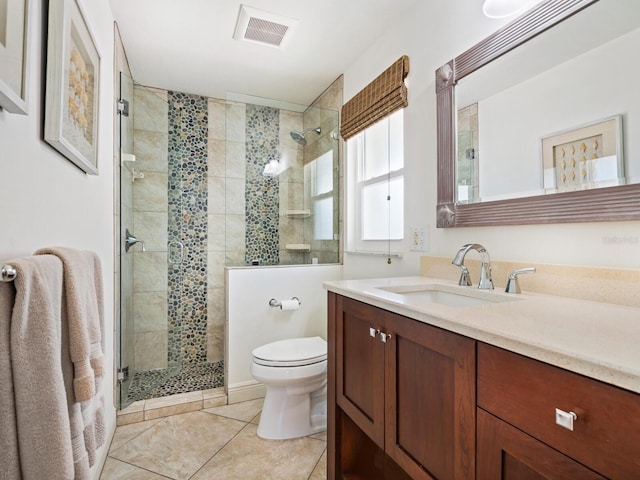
column 584, row 157
column 14, row 65
column 72, row 86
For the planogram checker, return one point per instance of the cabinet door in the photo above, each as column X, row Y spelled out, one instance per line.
column 430, row 400
column 506, row 453
column 360, row 366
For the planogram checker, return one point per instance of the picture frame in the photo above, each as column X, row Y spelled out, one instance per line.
column 14, row 55
column 589, row 156
column 72, row 86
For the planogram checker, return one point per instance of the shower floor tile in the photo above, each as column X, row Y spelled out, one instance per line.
column 173, row 380
column 211, row 444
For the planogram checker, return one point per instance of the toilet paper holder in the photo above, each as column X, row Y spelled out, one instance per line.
column 277, row 304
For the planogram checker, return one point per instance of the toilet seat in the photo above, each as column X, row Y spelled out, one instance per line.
column 295, row 352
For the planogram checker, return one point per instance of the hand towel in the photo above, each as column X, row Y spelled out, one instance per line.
column 84, row 302
column 83, row 338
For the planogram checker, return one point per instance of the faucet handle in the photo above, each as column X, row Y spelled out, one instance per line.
column 465, row 279
column 512, row 284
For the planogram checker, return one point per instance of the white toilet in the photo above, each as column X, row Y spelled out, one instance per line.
column 295, row 374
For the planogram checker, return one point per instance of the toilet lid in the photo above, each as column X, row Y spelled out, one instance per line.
column 291, row 352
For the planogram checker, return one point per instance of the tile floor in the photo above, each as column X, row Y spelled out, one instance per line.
column 217, row 443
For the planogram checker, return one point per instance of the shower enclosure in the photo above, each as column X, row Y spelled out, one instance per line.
column 208, row 183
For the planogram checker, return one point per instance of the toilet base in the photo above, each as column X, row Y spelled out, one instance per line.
column 287, row 415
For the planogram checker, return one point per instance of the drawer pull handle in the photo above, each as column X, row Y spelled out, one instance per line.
column 384, row 337
column 565, row 419
column 373, row 332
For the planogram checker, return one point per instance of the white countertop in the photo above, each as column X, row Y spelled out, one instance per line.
column 598, row 340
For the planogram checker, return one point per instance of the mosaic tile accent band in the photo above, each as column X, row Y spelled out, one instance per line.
column 261, row 192
column 187, row 292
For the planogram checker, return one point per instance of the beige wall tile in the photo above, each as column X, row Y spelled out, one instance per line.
column 235, row 196
column 150, row 193
column 151, row 227
column 217, row 155
column 235, row 231
column 607, row 285
column 215, row 270
column 236, row 160
column 216, row 233
column 217, row 119
column 236, row 118
column 151, row 150
column 150, row 272
column 151, row 351
column 151, row 110
column 150, row 311
column 216, row 195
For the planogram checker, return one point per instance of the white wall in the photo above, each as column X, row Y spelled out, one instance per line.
column 431, row 34
column 251, row 322
column 46, row 200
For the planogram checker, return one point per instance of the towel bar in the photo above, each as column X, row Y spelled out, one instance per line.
column 8, row 273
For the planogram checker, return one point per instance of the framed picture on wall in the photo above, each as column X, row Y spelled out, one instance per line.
column 14, row 33
column 72, row 86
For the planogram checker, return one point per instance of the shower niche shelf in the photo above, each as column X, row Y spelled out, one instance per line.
column 298, row 213
column 298, row 247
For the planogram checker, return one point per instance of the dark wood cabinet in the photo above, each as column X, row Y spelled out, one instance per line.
column 407, row 400
column 525, row 393
column 409, row 388
column 506, row 453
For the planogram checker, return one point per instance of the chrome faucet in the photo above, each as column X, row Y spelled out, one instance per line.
column 486, row 283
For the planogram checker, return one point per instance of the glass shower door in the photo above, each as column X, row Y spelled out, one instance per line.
column 125, row 333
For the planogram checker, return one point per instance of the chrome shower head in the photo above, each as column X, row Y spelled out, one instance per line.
column 299, row 136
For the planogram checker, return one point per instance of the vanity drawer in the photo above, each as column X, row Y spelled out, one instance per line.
column 526, row 394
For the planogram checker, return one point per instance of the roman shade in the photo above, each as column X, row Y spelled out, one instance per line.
column 383, row 96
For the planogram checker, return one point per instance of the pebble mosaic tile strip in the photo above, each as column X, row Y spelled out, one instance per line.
column 261, row 192
column 173, row 380
column 187, row 317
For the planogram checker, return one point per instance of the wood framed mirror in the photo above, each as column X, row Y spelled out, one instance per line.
column 605, row 203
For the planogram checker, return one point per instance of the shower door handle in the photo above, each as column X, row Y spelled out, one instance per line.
column 176, row 252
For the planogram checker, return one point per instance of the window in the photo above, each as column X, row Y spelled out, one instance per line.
column 376, row 186
column 319, row 174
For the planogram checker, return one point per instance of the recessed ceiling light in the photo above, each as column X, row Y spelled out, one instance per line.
column 263, row 27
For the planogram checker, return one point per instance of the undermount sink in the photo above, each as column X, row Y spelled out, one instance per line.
column 449, row 295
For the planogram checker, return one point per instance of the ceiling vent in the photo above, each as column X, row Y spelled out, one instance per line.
column 263, row 27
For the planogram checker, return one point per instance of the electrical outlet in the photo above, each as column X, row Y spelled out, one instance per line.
column 418, row 239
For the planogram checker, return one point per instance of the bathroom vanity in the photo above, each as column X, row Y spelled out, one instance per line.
column 430, row 380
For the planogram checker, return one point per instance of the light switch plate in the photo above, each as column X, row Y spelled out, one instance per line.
column 418, row 239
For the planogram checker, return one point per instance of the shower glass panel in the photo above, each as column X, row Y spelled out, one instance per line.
column 125, row 335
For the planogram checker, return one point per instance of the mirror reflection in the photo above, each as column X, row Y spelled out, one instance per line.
column 558, row 114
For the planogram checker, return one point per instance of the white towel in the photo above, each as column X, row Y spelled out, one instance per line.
column 40, row 409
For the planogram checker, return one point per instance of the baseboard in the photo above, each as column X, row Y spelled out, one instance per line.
column 241, row 392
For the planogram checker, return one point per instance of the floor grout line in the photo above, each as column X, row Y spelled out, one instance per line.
column 220, row 449
column 317, row 463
